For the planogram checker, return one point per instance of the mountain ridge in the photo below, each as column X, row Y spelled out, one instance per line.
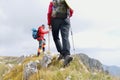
column 79, row 68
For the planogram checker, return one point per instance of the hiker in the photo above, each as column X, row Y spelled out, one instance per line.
column 58, row 16
column 41, row 39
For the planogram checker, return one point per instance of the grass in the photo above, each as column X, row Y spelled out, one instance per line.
column 76, row 71
column 3, row 69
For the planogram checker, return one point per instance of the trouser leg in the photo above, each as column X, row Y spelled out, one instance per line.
column 39, row 48
column 55, row 32
column 62, row 25
column 65, row 39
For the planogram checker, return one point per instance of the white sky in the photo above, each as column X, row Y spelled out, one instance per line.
column 95, row 25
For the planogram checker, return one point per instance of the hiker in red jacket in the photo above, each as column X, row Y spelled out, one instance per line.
column 58, row 16
column 41, row 39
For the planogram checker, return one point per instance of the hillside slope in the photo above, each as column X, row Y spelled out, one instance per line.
column 6, row 62
column 77, row 70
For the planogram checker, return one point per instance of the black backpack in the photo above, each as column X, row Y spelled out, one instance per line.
column 59, row 9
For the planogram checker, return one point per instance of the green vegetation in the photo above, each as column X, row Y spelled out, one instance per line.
column 75, row 71
column 4, row 61
column 3, row 69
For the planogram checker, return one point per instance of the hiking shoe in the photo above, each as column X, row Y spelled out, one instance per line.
column 38, row 53
column 60, row 57
column 67, row 60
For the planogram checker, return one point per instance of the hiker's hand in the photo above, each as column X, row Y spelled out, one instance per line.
column 50, row 27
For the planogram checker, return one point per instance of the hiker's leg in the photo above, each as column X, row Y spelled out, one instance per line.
column 65, row 37
column 43, row 47
column 38, row 53
column 39, row 48
column 55, row 33
column 44, row 44
column 65, row 41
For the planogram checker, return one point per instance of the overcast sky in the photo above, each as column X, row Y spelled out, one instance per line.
column 95, row 25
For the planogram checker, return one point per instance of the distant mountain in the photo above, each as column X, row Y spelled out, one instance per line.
column 112, row 70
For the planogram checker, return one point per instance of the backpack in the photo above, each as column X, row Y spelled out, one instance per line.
column 59, row 9
column 34, row 33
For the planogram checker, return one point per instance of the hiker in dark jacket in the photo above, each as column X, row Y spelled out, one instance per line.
column 41, row 39
column 58, row 16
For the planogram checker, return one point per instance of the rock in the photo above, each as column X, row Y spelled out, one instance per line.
column 37, row 61
column 62, row 69
column 0, row 62
column 10, row 66
column 68, row 78
column 47, row 59
column 30, row 69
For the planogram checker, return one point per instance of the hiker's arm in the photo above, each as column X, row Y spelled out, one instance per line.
column 43, row 32
column 71, row 12
column 49, row 13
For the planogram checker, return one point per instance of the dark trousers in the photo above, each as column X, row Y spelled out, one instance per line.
column 62, row 26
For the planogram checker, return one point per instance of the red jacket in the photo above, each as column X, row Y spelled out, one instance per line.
column 50, row 13
column 41, row 33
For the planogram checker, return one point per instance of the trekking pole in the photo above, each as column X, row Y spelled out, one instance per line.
column 72, row 40
column 48, row 42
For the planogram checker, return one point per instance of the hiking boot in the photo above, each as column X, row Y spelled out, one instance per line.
column 38, row 53
column 67, row 60
column 60, row 57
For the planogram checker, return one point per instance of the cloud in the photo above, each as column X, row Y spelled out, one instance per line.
column 17, row 18
column 95, row 25
column 2, row 15
column 97, row 30
column 109, row 56
column 98, row 37
column 98, row 10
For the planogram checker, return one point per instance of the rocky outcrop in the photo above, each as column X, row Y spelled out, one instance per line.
column 31, row 67
column 46, row 67
column 93, row 65
column 47, row 59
